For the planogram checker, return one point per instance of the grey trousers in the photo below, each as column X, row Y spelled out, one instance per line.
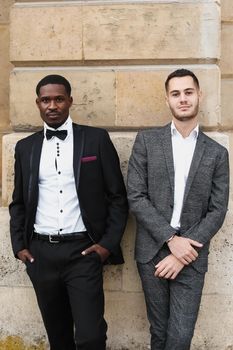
column 172, row 305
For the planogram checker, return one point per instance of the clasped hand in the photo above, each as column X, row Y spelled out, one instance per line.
column 183, row 249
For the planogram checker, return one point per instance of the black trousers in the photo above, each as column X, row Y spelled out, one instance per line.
column 69, row 290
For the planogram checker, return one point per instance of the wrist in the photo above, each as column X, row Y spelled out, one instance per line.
column 170, row 239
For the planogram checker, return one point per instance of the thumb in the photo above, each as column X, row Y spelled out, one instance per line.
column 195, row 243
column 88, row 250
column 29, row 257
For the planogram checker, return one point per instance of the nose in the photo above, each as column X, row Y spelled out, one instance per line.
column 52, row 104
column 183, row 98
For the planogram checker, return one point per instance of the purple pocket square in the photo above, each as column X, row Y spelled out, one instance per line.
column 88, row 159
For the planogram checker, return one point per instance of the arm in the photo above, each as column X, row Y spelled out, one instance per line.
column 116, row 200
column 209, row 225
column 17, row 214
column 140, row 204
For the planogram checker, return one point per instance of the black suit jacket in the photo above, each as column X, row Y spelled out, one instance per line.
column 99, row 183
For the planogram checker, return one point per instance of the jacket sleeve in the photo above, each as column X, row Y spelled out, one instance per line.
column 209, row 225
column 115, row 195
column 147, row 215
column 17, row 208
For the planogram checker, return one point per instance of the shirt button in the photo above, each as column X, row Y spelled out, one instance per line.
column 59, row 172
column 61, row 211
column 60, row 191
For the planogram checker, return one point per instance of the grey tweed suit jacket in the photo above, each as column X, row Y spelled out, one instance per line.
column 151, row 192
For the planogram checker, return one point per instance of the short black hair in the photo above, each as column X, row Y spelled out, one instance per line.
column 179, row 73
column 54, row 79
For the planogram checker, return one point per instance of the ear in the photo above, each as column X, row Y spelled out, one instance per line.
column 200, row 94
column 37, row 102
column 166, row 100
column 71, row 101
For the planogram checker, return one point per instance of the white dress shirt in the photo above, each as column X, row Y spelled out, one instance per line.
column 58, row 209
column 183, row 149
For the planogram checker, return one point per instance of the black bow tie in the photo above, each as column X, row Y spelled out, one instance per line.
column 61, row 134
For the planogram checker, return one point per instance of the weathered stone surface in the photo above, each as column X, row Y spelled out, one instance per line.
column 125, row 98
column 46, row 32
column 4, row 10
column 218, row 279
column 214, row 324
column 93, row 92
column 12, row 271
column 226, row 103
column 110, row 32
column 227, row 10
column 8, row 146
column 226, row 62
column 5, row 67
column 141, row 95
column 151, row 31
column 130, row 278
column 20, row 318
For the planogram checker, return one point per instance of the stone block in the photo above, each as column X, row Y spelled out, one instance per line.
column 126, row 317
column 130, row 277
column 151, row 31
column 227, row 10
column 214, row 324
column 141, row 96
column 20, row 323
column 226, row 63
column 226, row 103
column 4, row 10
column 12, row 271
column 5, row 67
column 93, row 91
column 131, row 97
column 114, row 31
column 218, row 279
column 57, row 35
column 8, row 146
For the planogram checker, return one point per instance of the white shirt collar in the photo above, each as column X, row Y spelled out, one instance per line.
column 194, row 133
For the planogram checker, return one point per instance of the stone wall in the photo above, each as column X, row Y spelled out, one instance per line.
column 117, row 55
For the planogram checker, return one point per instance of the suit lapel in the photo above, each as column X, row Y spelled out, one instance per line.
column 34, row 167
column 168, row 154
column 78, row 151
column 197, row 156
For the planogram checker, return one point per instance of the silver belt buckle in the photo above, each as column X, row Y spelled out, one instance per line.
column 53, row 240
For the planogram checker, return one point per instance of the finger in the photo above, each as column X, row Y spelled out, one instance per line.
column 188, row 259
column 88, row 250
column 173, row 276
column 183, row 261
column 195, row 243
column 29, row 257
column 164, row 271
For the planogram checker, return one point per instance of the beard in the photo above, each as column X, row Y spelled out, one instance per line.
column 189, row 116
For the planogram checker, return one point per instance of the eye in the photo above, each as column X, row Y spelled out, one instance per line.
column 59, row 99
column 45, row 99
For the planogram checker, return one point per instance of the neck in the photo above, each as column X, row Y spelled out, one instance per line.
column 185, row 127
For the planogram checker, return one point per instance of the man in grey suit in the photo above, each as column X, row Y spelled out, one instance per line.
column 178, row 184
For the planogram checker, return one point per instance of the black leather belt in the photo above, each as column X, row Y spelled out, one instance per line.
column 61, row 237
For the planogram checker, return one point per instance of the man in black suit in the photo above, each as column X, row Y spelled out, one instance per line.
column 68, row 214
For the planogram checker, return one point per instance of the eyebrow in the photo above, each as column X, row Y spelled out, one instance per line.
column 172, row 91
column 48, row 96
